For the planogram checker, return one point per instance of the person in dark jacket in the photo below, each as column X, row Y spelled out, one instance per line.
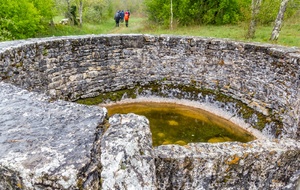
column 122, row 16
column 117, row 18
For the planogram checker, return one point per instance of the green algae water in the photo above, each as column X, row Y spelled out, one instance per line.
column 178, row 124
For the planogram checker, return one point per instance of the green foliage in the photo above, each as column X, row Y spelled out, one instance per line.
column 269, row 10
column 221, row 12
column 5, row 34
column 96, row 11
column 216, row 12
column 245, row 10
column 22, row 18
column 158, row 11
column 188, row 12
column 135, row 6
column 94, row 14
column 45, row 9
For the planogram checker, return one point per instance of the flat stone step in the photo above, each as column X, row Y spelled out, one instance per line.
column 46, row 144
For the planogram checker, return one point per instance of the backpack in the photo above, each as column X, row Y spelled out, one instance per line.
column 126, row 17
column 117, row 16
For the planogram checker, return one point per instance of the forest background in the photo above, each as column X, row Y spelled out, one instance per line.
column 21, row 19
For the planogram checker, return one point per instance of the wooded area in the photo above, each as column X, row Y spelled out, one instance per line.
column 21, row 19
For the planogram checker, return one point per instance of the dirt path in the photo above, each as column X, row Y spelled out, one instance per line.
column 135, row 25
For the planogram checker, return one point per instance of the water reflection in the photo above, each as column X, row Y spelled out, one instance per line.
column 178, row 124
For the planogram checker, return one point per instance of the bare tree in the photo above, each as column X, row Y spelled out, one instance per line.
column 279, row 20
column 171, row 22
column 255, row 8
column 80, row 12
column 68, row 13
column 69, row 6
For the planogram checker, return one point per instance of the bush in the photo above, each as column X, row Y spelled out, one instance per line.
column 92, row 14
column 20, row 19
column 5, row 34
column 269, row 10
column 96, row 12
column 188, row 12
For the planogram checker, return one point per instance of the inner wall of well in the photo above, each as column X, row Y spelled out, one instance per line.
column 261, row 80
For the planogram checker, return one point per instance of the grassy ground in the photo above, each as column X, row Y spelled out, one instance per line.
column 289, row 35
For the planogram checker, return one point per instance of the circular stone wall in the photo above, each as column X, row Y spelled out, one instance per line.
column 256, row 83
column 236, row 77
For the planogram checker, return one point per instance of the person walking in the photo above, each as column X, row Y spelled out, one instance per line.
column 126, row 17
column 117, row 18
column 122, row 14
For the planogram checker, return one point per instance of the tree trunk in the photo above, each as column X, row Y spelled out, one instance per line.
column 255, row 7
column 69, row 7
column 68, row 13
column 279, row 20
column 171, row 22
column 80, row 13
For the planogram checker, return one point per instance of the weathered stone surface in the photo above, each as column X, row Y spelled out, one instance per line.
column 47, row 145
column 126, row 154
column 261, row 164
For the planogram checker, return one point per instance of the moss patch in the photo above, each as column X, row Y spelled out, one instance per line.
column 108, row 96
column 190, row 92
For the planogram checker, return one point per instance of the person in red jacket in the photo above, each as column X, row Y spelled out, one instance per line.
column 126, row 17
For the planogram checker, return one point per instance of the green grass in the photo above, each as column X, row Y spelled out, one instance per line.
column 56, row 19
column 289, row 35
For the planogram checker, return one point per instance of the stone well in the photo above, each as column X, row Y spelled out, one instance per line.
column 47, row 141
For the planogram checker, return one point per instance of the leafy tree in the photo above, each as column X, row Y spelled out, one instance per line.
column 61, row 6
column 159, row 11
column 24, row 18
column 45, row 9
column 188, row 12
column 221, row 12
column 269, row 10
column 5, row 24
column 19, row 18
column 95, row 11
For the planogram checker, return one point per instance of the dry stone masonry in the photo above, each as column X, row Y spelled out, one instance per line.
column 49, row 142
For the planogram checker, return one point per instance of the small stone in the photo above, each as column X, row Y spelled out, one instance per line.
column 180, row 142
column 161, row 135
column 167, row 142
column 172, row 122
column 219, row 139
